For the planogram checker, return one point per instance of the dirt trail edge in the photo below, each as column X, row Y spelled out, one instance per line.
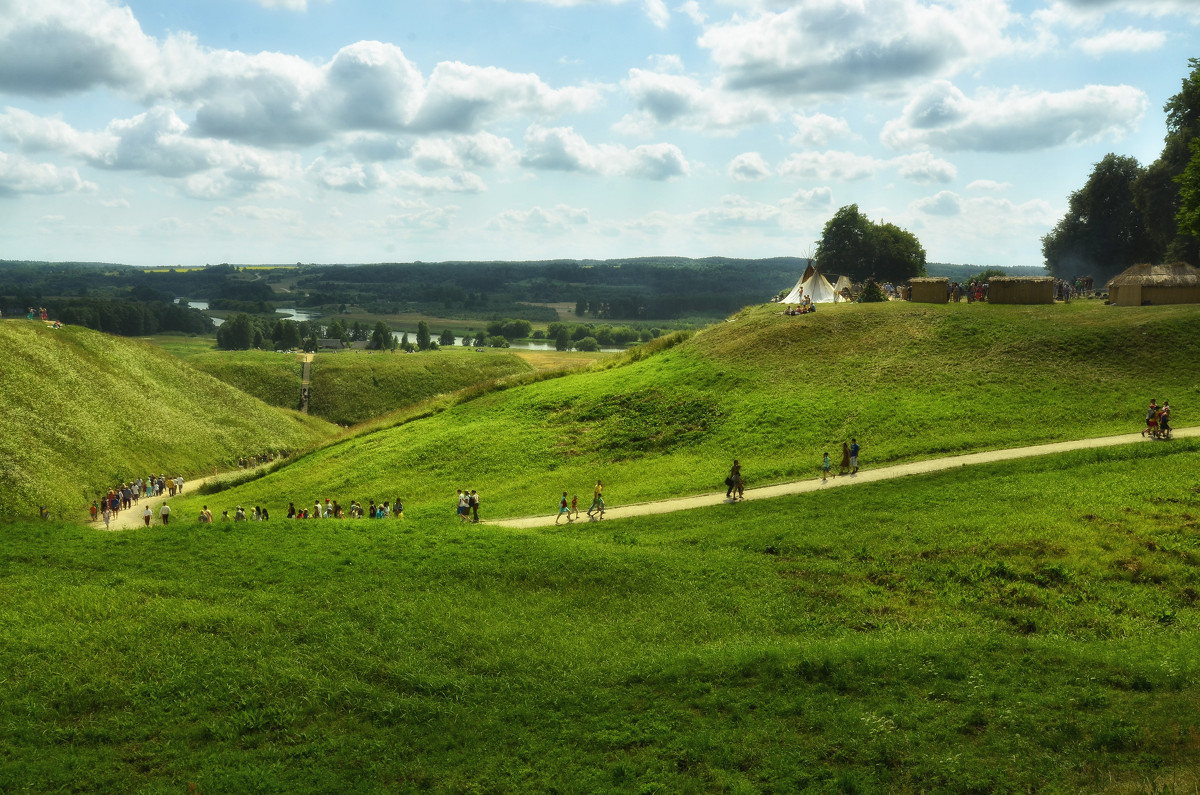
column 863, row 476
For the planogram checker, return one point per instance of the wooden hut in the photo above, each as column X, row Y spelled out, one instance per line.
column 1142, row 285
column 1021, row 290
column 930, row 290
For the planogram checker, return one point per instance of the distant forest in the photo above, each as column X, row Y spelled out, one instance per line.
column 133, row 301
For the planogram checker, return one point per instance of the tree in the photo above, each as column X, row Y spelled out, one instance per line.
column 447, row 338
column 422, row 335
column 289, row 335
column 236, row 334
column 1158, row 190
column 1103, row 232
column 381, row 338
column 562, row 340
column 852, row 245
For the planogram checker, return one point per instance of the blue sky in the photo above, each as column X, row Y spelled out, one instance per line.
column 342, row 131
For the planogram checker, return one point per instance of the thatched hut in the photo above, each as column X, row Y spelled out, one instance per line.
column 930, row 290
column 1142, row 285
column 1021, row 290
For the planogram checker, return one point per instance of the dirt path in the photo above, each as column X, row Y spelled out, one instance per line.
column 304, row 379
column 132, row 518
column 863, row 476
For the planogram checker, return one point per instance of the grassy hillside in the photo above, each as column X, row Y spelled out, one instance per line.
column 1031, row 635
column 909, row 381
column 353, row 386
column 273, row 378
column 84, row 410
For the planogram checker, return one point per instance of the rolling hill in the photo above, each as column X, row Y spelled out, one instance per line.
column 84, row 411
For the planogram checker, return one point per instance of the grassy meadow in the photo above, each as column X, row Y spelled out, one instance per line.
column 84, row 411
column 909, row 381
column 350, row 387
column 1028, row 626
column 273, row 378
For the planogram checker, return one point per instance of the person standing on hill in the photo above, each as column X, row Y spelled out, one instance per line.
column 854, row 456
column 473, row 503
column 825, row 467
column 845, row 465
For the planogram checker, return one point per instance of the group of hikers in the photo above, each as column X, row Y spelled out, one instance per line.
column 127, row 495
column 571, row 510
column 331, row 509
column 1158, row 420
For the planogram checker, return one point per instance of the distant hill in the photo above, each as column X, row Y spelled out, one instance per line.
column 84, row 410
column 962, row 272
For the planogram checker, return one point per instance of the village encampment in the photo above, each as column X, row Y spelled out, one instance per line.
column 816, row 287
column 1142, row 285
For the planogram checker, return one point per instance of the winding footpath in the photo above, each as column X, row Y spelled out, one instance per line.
column 863, row 476
column 132, row 518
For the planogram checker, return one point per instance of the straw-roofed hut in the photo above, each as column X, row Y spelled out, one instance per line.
column 930, row 290
column 1141, row 285
column 1021, row 290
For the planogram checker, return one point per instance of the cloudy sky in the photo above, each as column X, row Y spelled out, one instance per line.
column 275, row 131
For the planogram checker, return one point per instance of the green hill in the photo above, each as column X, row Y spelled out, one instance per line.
column 909, row 381
column 350, row 387
column 84, row 410
column 273, row 378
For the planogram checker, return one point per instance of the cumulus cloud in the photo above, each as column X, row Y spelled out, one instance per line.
column 738, row 212
column 818, row 130
column 20, row 176
column 943, row 203
column 815, row 199
column 988, row 186
column 539, row 221
column 831, row 165
column 749, row 167
column 56, row 47
column 563, row 149
column 924, row 168
column 816, row 47
column 944, row 118
column 656, row 10
column 665, row 99
column 1127, row 40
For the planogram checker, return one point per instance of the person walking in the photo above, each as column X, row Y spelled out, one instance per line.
column 597, row 502
column 574, row 513
column 825, row 468
column 845, row 465
column 734, row 482
column 165, row 512
column 853, row 456
column 474, row 505
column 563, row 508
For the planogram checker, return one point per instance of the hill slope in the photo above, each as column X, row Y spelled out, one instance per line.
column 909, row 381
column 85, row 410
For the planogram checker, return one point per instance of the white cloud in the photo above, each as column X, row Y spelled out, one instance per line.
column 538, row 221
column 831, row 165
column 989, row 186
column 818, row 130
column 21, row 176
column 943, row 203
column 924, row 168
column 749, row 167
column 817, row 47
column 815, row 199
column 563, row 149
column 286, row 5
column 944, row 118
column 1127, row 40
column 737, row 212
column 664, row 99
column 656, row 10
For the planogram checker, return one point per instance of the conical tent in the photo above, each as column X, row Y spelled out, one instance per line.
column 797, row 293
column 819, row 290
column 843, row 283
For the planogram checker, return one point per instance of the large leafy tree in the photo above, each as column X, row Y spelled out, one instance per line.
column 1103, row 232
column 1158, row 191
column 851, row 244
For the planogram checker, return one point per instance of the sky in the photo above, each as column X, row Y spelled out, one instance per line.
column 196, row 132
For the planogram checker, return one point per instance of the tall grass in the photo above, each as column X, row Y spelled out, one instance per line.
column 273, row 378
column 1014, row 627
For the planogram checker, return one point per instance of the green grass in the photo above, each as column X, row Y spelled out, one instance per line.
column 1011, row 627
column 910, row 381
column 84, row 411
column 273, row 378
column 351, row 387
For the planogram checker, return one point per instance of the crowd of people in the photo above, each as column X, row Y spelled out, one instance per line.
column 595, row 511
column 126, row 495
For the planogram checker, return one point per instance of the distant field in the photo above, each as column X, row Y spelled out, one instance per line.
column 1019, row 627
column 350, row 387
